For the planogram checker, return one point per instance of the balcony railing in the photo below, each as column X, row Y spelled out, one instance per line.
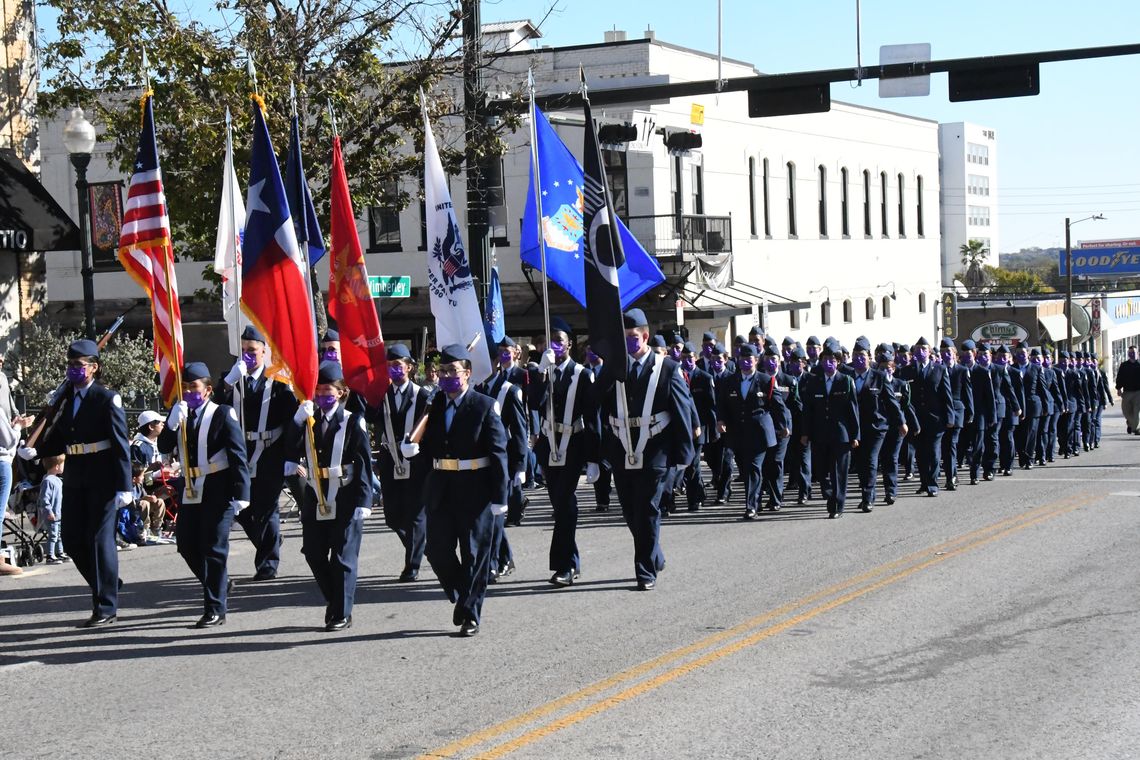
column 669, row 236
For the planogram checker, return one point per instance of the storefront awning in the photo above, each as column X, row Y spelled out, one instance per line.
column 1058, row 327
column 30, row 219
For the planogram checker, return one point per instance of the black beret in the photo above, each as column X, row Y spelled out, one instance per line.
column 399, row 351
column 251, row 333
column 81, row 348
column 635, row 318
column 709, row 336
column 330, row 336
column 330, row 372
column 195, row 371
column 456, row 352
column 747, row 350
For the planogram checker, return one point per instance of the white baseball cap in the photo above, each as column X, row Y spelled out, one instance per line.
column 148, row 417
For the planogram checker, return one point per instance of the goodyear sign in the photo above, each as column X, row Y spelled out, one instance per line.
column 1104, row 258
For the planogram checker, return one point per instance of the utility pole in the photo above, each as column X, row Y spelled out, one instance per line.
column 474, row 117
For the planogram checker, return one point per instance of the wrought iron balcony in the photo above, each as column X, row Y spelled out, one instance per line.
column 672, row 236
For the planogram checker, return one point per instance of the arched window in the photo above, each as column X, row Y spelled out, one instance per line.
column 825, row 313
column 822, row 201
column 792, row 232
column 921, row 303
column 902, row 207
column 847, row 316
column 921, row 228
column 767, row 203
column 869, row 309
column 883, row 203
column 844, row 203
column 886, row 307
column 752, row 196
column 866, row 203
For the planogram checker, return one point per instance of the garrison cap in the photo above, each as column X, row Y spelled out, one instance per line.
column 830, row 348
column 812, row 341
column 709, row 336
column 969, row 345
column 398, row 351
column 329, row 372
column 739, row 340
column 1034, row 352
column 251, row 333
column 195, row 371
column 1002, row 349
column 863, row 344
column 635, row 318
column 675, row 338
column 747, row 351
column 80, row 348
column 456, row 352
column 720, row 349
column 506, row 342
column 771, row 350
column 885, row 349
column 922, row 342
column 799, row 353
column 755, row 330
column 946, row 343
column 1092, row 354
column 330, row 336
column 689, row 347
column 787, row 341
column 560, row 324
column 657, row 342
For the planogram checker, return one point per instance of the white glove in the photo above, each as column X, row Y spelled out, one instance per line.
column 290, row 469
column 547, row 360
column 409, row 449
column 593, row 472
column 236, row 373
column 239, row 505
column 178, row 413
column 27, row 453
column 520, row 476
column 499, row 509
column 304, row 412
column 361, row 513
column 124, row 499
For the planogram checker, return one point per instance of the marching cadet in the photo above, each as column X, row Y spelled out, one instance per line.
column 567, row 445
column 330, row 352
column 962, row 393
column 468, row 484
column 934, row 405
column 907, row 458
column 1013, row 412
column 91, row 430
column 332, row 523
column 1028, row 365
column 782, row 417
column 811, row 348
column 879, row 411
column 1047, row 435
column 982, row 430
column 1074, row 400
column 402, row 479
column 1103, row 396
column 718, row 452
column 702, row 388
column 1004, row 401
column 797, row 461
column 216, row 485
column 1092, row 381
column 831, row 424
column 709, row 352
column 268, row 406
column 648, row 432
column 893, row 440
column 744, row 414
column 787, row 346
column 511, row 407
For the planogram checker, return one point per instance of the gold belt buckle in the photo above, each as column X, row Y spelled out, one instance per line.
column 474, row 465
column 449, row 465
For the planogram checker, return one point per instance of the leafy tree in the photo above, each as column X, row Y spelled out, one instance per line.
column 974, row 255
column 1017, row 281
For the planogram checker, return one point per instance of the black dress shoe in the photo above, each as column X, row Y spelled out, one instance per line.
column 889, row 500
column 750, row 514
column 209, row 620
column 564, row 578
column 646, row 585
column 801, row 500
column 410, row 574
column 121, row 584
column 988, row 476
column 469, row 628
column 97, row 621
column 865, row 506
column 263, row 576
column 339, row 624
column 973, row 481
column 507, row 569
column 775, row 507
column 921, row 490
column 950, row 487
column 838, row 514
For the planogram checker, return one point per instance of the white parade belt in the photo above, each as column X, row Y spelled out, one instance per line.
column 655, row 422
column 77, row 449
column 457, row 465
column 217, row 463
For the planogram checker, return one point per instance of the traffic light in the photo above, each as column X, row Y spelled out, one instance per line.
column 682, row 140
column 615, row 134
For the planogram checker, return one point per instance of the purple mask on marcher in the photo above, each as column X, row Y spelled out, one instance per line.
column 450, row 384
column 829, row 365
column 632, row 344
column 77, row 375
column 193, row 399
column 326, row 401
column 859, row 361
column 689, row 363
column 397, row 372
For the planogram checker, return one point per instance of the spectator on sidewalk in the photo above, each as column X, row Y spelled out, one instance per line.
column 50, row 504
column 151, row 509
column 1128, row 388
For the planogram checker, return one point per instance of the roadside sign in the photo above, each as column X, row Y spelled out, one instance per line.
column 389, row 287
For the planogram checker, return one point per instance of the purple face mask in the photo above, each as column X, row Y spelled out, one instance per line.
column 675, row 354
column 920, row 355
column 984, row 360
column 250, row 360
column 450, row 384
column 330, row 355
column 967, row 359
column 1047, row 362
column 829, row 365
column 689, row 363
column 859, row 361
column 813, row 352
column 193, row 399
column 787, row 354
column 77, row 375
column 326, row 402
column 591, row 357
column 744, row 364
column 947, row 358
column 632, row 344
column 397, row 372
column 770, row 364
column 559, row 348
column 1001, row 360
column 506, row 357
column 1036, row 360
column 718, row 365
column 900, row 360
column 795, row 369
column 708, row 350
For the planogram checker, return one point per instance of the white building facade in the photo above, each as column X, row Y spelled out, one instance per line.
column 969, row 209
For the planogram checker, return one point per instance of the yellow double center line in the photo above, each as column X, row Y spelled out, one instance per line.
column 742, row 636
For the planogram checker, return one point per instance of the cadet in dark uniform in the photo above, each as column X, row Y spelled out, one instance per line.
column 1092, row 381
column 703, row 390
column 879, row 411
column 962, row 393
column 330, row 537
column 1006, row 403
column 744, row 410
column 811, row 348
column 269, row 406
column 893, row 440
column 1013, row 412
column 648, row 432
column 718, row 452
column 797, row 461
column 469, row 482
column 402, row 480
column 831, row 424
column 330, row 352
column 1074, row 399
column 1028, row 365
column 983, row 429
column 91, row 430
column 934, row 404
column 216, row 485
column 906, row 456
column 781, row 413
column 1047, row 432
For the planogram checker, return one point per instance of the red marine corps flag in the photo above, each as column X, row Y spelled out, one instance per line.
column 146, row 252
column 362, row 351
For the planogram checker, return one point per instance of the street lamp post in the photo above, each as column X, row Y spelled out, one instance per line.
column 79, row 139
column 1069, row 274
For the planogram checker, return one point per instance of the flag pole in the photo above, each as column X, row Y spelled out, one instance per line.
column 235, row 320
column 541, row 256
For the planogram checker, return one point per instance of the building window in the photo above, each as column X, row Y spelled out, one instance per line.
column 384, row 221
column 866, row 203
column 978, row 154
column 767, row 204
column 869, row 309
column 825, row 313
column 617, row 173
column 678, row 201
column 976, row 184
column 847, row 316
column 752, row 196
column 978, row 216
column 698, row 189
column 792, row 232
column 794, row 319
column 886, row 307
column 883, row 202
column 921, row 303
column 844, row 203
column 822, row 201
column 902, row 206
column 921, row 226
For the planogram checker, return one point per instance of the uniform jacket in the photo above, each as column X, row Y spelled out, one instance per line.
column 901, row 391
column 1033, row 388
column 962, row 392
column 786, row 395
column 282, row 407
column 398, row 404
column 878, row 407
column 830, row 417
column 583, row 445
column 476, row 431
column 224, row 435
column 353, row 490
column 703, row 390
column 930, row 393
column 672, row 445
column 986, row 396
column 513, row 413
column 1054, row 401
column 1008, row 400
column 1105, row 388
column 750, row 419
column 100, row 418
column 1074, row 390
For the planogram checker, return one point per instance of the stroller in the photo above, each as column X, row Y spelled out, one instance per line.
column 26, row 534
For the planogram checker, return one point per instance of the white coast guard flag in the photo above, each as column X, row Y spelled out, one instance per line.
column 227, row 249
column 458, row 318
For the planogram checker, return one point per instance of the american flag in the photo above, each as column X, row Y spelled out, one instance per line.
column 147, row 254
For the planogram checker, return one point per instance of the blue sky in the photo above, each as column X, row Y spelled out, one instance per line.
column 1073, row 150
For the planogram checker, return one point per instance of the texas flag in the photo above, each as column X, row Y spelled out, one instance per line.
column 275, row 294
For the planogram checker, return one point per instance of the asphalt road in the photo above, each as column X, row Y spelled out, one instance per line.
column 996, row 622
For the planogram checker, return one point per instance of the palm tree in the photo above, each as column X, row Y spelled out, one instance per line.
column 974, row 255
